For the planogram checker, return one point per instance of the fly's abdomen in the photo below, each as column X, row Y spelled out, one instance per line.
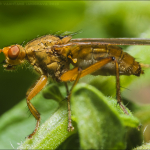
column 90, row 55
column 127, row 63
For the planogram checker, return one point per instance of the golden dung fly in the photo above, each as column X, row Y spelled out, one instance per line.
column 52, row 55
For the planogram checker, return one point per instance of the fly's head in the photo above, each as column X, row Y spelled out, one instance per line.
column 14, row 55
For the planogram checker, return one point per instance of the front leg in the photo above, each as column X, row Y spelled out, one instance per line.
column 30, row 94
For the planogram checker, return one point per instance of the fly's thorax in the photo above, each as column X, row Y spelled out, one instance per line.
column 56, row 66
column 47, row 41
column 40, row 48
column 14, row 54
column 44, row 59
column 42, row 42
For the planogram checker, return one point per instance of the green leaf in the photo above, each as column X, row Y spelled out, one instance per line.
column 16, row 124
column 100, row 125
column 144, row 147
column 98, row 119
column 52, row 133
column 96, row 19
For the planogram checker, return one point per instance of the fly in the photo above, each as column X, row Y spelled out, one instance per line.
column 52, row 55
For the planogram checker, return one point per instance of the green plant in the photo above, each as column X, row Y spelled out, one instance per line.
column 92, row 110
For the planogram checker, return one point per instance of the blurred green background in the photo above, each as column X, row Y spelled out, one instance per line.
column 24, row 21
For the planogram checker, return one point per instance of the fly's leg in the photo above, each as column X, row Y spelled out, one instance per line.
column 118, row 89
column 67, row 90
column 76, row 74
column 71, row 75
column 30, row 94
column 70, row 127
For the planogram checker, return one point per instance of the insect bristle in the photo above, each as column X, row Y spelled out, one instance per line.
column 62, row 34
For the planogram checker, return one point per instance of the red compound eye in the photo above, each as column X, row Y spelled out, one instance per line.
column 13, row 52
